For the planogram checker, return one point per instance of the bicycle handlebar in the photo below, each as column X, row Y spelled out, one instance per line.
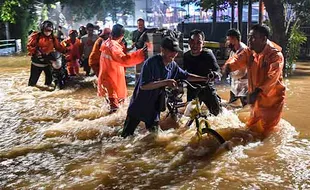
column 195, row 87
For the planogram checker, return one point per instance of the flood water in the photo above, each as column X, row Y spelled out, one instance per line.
column 65, row 139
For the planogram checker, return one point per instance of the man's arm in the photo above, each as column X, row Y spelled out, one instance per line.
column 238, row 61
column 196, row 78
column 31, row 45
column 58, row 46
column 213, row 61
column 158, row 84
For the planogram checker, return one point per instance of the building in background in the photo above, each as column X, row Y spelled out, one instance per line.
column 169, row 13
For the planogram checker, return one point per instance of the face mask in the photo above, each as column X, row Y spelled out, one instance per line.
column 47, row 33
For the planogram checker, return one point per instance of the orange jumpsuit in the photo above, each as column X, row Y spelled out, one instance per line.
column 94, row 57
column 264, row 72
column 73, row 55
column 112, row 73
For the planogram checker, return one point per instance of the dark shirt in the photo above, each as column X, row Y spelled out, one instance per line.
column 200, row 65
column 139, row 42
column 143, row 102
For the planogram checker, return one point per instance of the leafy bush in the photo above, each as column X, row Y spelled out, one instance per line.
column 293, row 47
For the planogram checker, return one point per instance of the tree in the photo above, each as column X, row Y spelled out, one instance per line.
column 22, row 14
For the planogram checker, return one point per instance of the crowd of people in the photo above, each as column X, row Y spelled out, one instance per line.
column 255, row 71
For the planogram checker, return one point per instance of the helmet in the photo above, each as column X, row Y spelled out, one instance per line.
column 46, row 24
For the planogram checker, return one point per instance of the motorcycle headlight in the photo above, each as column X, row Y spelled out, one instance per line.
column 56, row 64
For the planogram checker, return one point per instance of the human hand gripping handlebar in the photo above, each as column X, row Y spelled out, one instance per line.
column 196, row 115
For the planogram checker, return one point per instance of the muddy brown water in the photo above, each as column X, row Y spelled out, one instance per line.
column 65, row 139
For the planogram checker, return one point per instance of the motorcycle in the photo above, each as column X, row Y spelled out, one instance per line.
column 59, row 71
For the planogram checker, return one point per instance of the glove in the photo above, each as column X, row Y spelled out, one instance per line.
column 253, row 96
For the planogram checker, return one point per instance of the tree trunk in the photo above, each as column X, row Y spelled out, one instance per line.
column 232, row 4
column 260, row 12
column 249, row 17
column 214, row 17
column 276, row 15
column 240, row 8
column 7, row 31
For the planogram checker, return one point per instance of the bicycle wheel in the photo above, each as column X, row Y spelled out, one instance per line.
column 212, row 132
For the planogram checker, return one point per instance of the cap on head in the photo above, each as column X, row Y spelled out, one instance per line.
column 106, row 31
column 171, row 44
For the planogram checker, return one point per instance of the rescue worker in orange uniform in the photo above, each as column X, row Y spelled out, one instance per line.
column 73, row 55
column 264, row 62
column 113, row 59
column 94, row 57
column 39, row 46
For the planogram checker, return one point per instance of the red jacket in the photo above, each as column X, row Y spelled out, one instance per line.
column 46, row 44
column 73, row 50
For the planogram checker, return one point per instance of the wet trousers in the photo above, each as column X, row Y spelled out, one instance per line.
column 114, row 103
column 131, row 124
column 73, row 68
column 35, row 73
column 86, row 66
column 209, row 97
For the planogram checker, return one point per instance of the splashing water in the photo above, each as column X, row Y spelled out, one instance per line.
column 66, row 139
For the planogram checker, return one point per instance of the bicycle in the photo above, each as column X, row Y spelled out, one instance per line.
column 174, row 102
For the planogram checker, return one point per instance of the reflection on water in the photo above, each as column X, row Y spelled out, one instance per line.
column 65, row 139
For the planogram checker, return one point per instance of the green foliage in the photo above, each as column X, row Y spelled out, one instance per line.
column 44, row 13
column 295, row 40
column 128, row 37
column 301, row 7
column 7, row 11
